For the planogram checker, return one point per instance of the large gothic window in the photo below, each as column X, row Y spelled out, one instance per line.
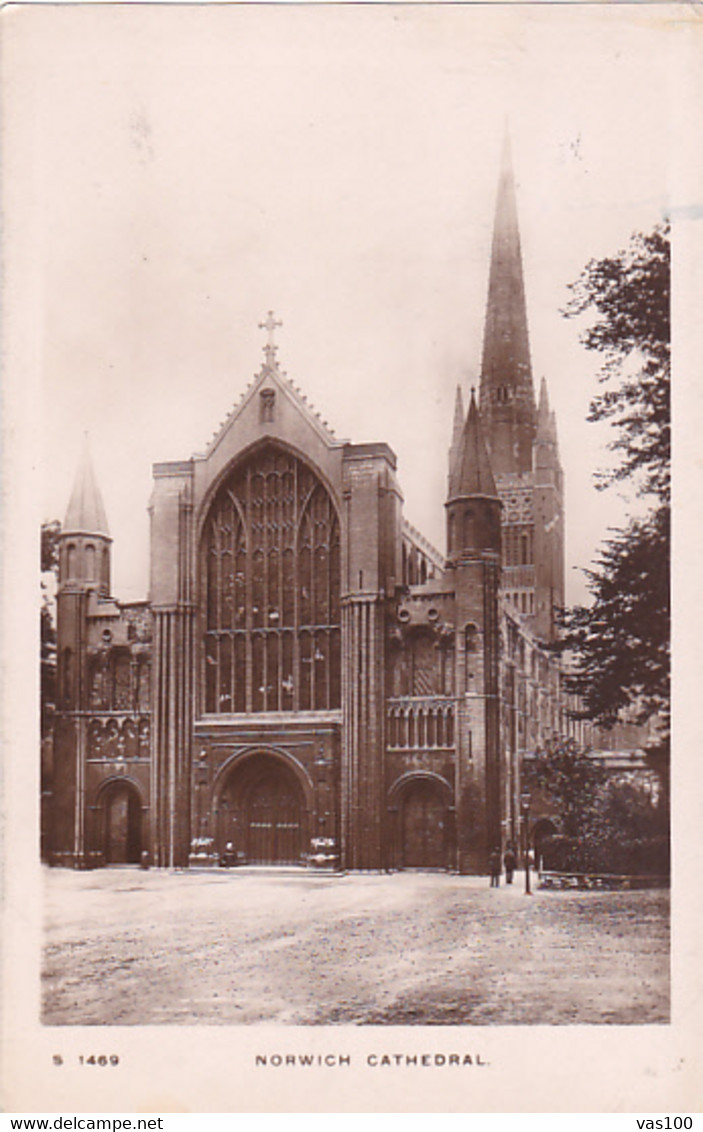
column 271, row 573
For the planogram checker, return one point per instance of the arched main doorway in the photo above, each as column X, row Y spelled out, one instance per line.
column 424, row 825
column 122, row 824
column 262, row 812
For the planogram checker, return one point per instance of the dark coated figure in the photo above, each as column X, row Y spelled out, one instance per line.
column 509, row 862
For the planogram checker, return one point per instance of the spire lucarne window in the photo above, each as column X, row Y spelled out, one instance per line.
column 270, row 562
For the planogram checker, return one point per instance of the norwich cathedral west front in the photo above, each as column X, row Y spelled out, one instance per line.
column 310, row 681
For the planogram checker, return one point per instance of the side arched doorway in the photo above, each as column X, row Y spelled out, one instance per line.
column 122, row 833
column 262, row 812
column 424, row 827
column 542, row 830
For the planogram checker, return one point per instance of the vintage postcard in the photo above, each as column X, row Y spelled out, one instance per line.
column 337, row 413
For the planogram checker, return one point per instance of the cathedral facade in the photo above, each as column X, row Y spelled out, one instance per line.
column 310, row 682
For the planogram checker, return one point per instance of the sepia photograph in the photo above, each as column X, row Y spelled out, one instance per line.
column 340, row 422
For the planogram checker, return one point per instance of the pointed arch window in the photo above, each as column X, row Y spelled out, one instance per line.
column 271, row 574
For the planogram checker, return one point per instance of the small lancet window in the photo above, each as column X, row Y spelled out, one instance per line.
column 90, row 574
column 470, row 637
column 267, row 405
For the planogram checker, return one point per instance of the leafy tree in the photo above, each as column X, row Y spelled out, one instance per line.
column 625, row 811
column 630, row 296
column 620, row 643
column 50, row 534
column 570, row 780
column 607, row 824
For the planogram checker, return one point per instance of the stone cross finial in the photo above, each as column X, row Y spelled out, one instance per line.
column 270, row 347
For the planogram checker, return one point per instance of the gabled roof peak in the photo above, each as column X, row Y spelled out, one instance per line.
column 271, row 373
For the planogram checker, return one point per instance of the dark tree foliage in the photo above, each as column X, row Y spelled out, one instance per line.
column 607, row 824
column 50, row 533
column 628, row 813
column 630, row 297
column 620, row 643
column 570, row 779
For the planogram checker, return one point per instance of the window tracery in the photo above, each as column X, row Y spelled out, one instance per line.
column 271, row 603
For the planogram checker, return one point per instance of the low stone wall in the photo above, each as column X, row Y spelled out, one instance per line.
column 602, row 881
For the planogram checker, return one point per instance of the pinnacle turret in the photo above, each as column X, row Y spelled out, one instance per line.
column 84, row 557
column 544, row 414
column 546, row 453
column 471, row 473
column 473, row 505
column 86, row 512
column 457, row 431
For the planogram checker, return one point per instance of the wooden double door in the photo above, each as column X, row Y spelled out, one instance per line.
column 264, row 813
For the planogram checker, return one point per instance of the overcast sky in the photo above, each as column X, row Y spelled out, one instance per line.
column 193, row 167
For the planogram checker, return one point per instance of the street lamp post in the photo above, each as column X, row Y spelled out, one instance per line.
column 525, row 813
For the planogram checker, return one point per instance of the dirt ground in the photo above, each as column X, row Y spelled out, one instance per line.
column 245, row 946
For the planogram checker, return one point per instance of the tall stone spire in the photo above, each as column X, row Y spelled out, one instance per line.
column 507, row 396
column 86, row 511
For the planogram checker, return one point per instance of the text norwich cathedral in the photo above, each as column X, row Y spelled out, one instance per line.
column 310, row 682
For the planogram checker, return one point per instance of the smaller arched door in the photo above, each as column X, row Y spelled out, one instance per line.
column 122, row 824
column 424, row 826
column 542, row 830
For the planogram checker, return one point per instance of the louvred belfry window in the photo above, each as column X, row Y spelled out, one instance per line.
column 271, row 597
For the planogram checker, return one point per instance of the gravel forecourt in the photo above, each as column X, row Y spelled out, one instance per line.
column 132, row 947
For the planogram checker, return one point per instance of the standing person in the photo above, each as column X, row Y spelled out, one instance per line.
column 494, row 868
column 509, row 861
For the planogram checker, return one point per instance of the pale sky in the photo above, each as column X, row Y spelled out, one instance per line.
column 191, row 168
